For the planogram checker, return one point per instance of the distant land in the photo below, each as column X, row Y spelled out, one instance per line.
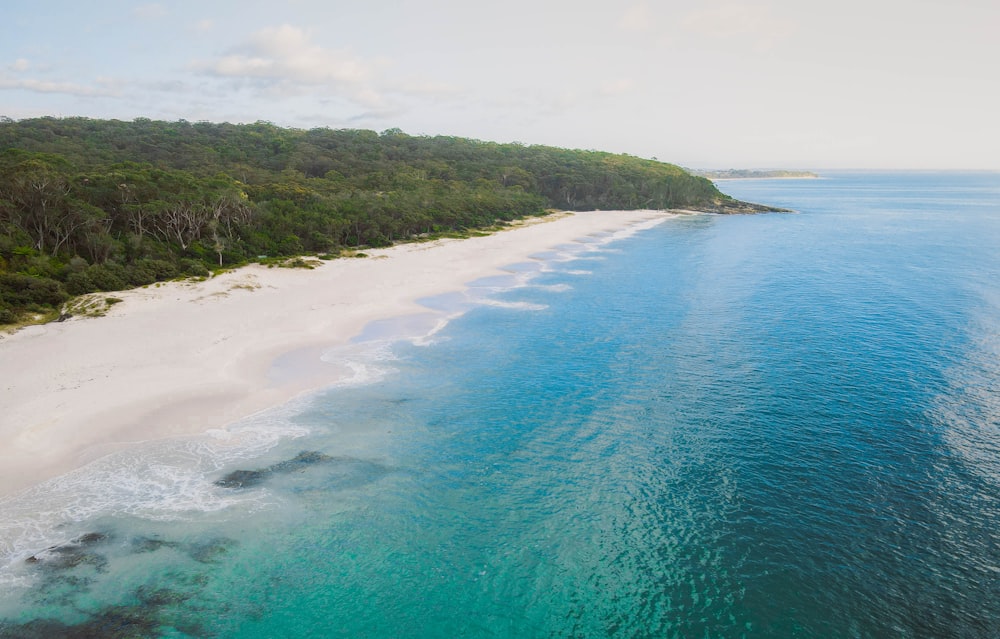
column 744, row 174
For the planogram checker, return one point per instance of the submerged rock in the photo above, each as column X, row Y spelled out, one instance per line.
column 122, row 621
column 300, row 461
column 248, row 478
column 149, row 612
column 159, row 597
column 91, row 538
column 151, row 544
column 210, row 551
column 114, row 622
column 73, row 553
column 243, row 478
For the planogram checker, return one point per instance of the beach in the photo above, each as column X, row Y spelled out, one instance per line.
column 700, row 426
column 179, row 358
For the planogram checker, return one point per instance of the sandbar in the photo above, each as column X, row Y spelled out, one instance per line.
column 183, row 357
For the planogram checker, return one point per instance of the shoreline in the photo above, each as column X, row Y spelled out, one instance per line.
column 181, row 358
column 768, row 177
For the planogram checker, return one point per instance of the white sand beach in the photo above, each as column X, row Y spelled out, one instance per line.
column 183, row 357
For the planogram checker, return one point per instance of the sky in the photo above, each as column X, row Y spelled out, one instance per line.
column 881, row 84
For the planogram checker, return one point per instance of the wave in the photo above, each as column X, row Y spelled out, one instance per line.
column 172, row 480
column 168, row 480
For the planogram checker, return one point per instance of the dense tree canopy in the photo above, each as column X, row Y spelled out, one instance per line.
column 100, row 205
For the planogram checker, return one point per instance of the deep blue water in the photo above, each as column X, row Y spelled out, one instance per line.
column 782, row 425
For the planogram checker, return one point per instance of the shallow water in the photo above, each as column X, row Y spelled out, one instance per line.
column 759, row 426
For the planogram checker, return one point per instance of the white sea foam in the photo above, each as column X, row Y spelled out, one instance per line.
column 431, row 336
column 590, row 256
column 518, row 306
column 169, row 480
column 367, row 361
column 552, row 288
column 970, row 410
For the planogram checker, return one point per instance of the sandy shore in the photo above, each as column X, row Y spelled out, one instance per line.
column 183, row 357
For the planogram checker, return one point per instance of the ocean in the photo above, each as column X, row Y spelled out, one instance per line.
column 780, row 425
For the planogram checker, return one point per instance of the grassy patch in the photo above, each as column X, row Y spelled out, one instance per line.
column 300, row 262
column 91, row 305
column 21, row 320
column 246, row 286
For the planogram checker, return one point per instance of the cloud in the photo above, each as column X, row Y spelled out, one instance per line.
column 740, row 21
column 636, row 18
column 425, row 88
column 203, row 25
column 106, row 87
column 616, row 87
column 150, row 11
column 557, row 101
column 13, row 79
column 286, row 60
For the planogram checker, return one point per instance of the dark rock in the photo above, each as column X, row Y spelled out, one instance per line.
column 115, row 622
column 248, row 478
column 300, row 462
column 159, row 597
column 735, row 207
column 73, row 553
column 243, row 478
column 121, row 622
column 91, row 538
column 36, row 629
column 150, row 544
column 211, row 551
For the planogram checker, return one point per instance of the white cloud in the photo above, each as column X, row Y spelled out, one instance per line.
column 427, row 89
column 203, row 25
column 150, row 11
column 14, row 79
column 756, row 24
column 636, row 18
column 616, row 87
column 557, row 101
column 286, row 59
column 106, row 88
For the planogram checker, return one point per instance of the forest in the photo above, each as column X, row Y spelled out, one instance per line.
column 91, row 205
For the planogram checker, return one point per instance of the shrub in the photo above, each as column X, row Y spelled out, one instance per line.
column 24, row 290
column 107, row 277
column 41, row 266
column 193, row 268
column 79, row 283
column 148, row 271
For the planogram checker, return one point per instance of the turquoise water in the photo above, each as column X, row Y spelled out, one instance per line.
column 756, row 426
